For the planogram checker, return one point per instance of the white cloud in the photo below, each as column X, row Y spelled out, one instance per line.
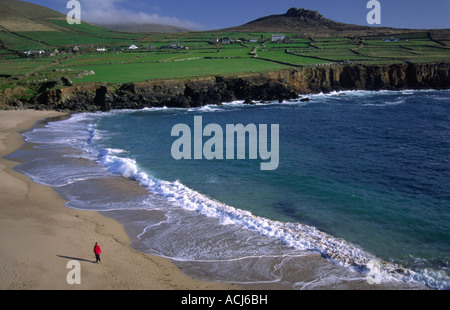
column 112, row 12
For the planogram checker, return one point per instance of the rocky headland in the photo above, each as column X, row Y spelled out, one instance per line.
column 281, row 85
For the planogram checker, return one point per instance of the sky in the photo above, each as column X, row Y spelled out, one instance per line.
column 213, row 14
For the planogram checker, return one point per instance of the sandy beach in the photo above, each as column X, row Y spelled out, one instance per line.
column 39, row 235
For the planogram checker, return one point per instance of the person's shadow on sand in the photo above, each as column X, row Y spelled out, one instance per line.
column 77, row 258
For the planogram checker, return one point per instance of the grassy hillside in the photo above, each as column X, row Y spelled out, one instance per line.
column 132, row 27
column 71, row 50
column 198, row 56
column 18, row 16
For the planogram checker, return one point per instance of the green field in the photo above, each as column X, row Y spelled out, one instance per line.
column 135, row 72
column 192, row 54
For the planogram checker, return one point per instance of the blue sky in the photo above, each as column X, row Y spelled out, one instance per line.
column 213, row 14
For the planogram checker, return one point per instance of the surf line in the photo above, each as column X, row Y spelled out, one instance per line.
column 213, row 148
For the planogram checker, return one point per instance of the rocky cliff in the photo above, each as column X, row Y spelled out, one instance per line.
column 280, row 85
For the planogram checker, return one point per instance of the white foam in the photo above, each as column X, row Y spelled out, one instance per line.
column 295, row 235
column 298, row 236
column 206, row 108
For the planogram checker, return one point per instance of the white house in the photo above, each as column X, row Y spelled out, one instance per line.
column 133, row 47
column 101, row 49
column 277, row 37
column 225, row 40
column 35, row 52
column 392, row 39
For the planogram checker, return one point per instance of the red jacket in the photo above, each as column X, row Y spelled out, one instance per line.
column 97, row 249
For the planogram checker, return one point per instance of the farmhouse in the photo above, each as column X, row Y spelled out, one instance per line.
column 392, row 39
column 133, row 47
column 77, row 48
column 101, row 49
column 34, row 52
column 277, row 37
column 225, row 41
column 171, row 45
column 54, row 53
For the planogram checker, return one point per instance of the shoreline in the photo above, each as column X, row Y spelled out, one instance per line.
column 40, row 235
column 37, row 217
column 256, row 86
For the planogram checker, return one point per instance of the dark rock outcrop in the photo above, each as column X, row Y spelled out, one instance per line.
column 312, row 23
column 286, row 84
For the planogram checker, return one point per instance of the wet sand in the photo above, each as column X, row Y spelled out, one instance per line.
column 39, row 235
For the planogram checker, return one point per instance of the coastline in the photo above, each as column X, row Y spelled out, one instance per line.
column 35, row 214
column 39, row 235
column 262, row 86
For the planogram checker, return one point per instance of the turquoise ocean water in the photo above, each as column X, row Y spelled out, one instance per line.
column 363, row 177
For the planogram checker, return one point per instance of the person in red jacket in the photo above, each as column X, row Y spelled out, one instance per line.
column 97, row 251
